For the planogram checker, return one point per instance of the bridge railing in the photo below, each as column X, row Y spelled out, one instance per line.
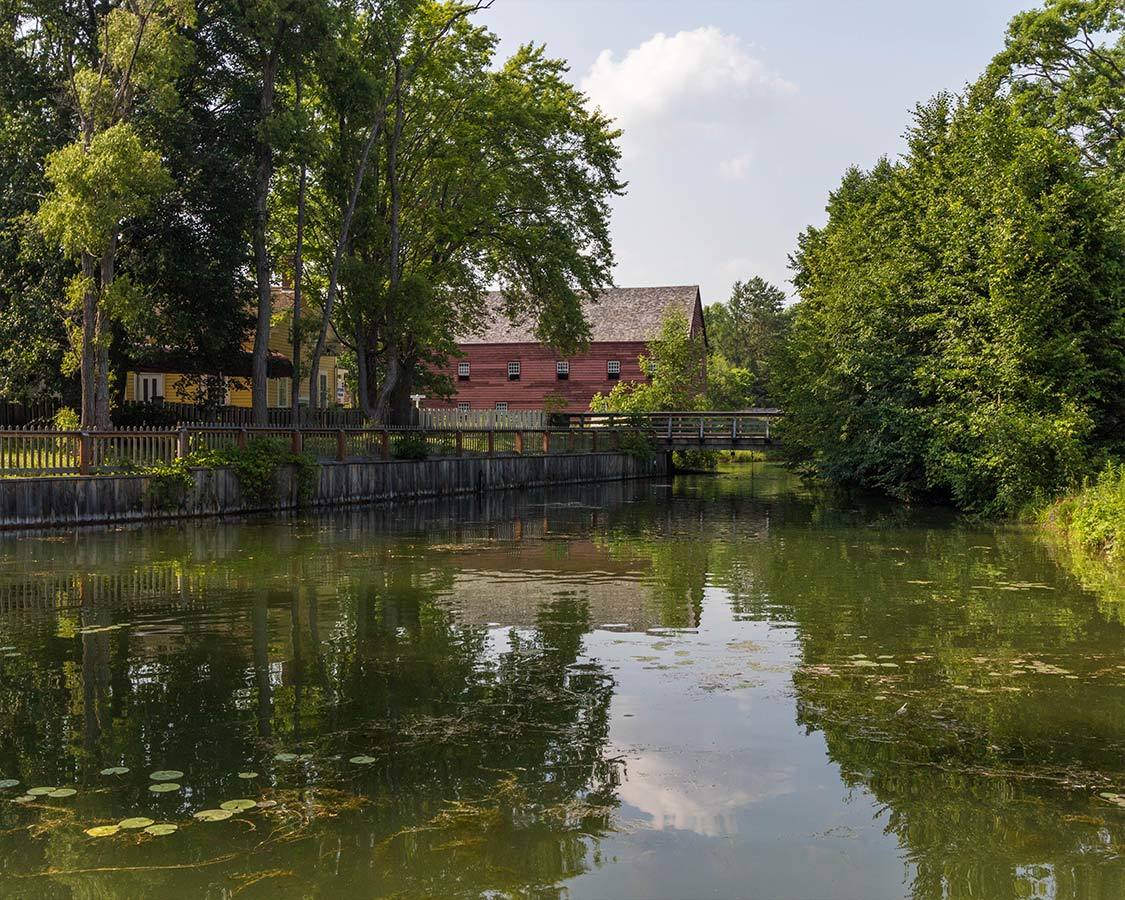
column 688, row 427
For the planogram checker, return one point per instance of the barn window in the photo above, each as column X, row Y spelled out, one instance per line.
column 464, row 406
column 463, row 371
column 562, row 370
column 514, row 370
column 501, row 406
column 613, row 369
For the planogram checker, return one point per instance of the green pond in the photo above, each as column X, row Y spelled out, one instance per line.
column 725, row 686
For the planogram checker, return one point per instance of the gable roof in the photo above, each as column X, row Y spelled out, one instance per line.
column 619, row 314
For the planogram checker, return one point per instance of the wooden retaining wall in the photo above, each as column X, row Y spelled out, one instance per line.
column 79, row 500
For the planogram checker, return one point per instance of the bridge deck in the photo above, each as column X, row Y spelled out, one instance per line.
column 742, row 430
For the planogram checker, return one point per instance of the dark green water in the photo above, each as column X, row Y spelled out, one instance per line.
column 725, row 687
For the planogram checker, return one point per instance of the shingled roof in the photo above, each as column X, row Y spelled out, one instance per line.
column 619, row 314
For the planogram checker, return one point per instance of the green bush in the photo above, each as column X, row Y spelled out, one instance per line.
column 705, row 460
column 1092, row 520
column 410, row 446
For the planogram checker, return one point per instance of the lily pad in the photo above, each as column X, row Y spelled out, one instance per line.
column 26, row 798
column 135, row 823
column 285, row 757
column 247, row 776
column 161, row 830
column 167, row 775
column 238, row 805
column 9, row 783
column 164, row 787
column 362, row 760
column 213, row 815
column 116, row 770
column 99, row 831
column 59, row 793
column 41, row 791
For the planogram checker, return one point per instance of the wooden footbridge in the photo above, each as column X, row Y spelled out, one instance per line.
column 743, row 430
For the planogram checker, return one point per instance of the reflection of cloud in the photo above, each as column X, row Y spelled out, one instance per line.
column 695, row 800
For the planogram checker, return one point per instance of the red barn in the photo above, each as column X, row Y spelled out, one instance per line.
column 505, row 367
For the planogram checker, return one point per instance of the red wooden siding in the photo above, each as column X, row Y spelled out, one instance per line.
column 488, row 382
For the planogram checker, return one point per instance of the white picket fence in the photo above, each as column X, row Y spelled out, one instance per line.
column 482, row 419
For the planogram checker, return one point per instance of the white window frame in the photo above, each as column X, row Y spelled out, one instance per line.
column 463, row 370
column 514, row 370
column 613, row 369
column 463, row 406
column 562, row 369
column 501, row 406
column 284, row 392
column 144, row 379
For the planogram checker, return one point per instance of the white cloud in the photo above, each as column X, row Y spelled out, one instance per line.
column 737, row 168
column 696, row 74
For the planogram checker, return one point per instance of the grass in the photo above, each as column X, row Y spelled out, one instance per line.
column 1089, row 526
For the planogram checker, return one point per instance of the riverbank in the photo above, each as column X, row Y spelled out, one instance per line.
column 87, row 500
column 1089, row 527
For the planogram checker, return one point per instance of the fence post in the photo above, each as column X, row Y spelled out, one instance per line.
column 546, row 443
column 616, row 439
column 669, row 429
column 491, row 442
column 701, row 429
column 296, row 441
column 242, row 438
column 593, row 440
column 519, row 443
column 84, row 454
column 734, row 430
column 460, row 442
column 385, row 444
column 341, row 445
column 570, row 442
column 183, row 443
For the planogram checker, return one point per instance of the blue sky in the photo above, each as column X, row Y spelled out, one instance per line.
column 741, row 115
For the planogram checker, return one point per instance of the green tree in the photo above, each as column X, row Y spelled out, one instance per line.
column 107, row 176
column 960, row 330
column 467, row 174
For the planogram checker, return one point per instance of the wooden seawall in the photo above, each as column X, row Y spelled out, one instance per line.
column 86, row 500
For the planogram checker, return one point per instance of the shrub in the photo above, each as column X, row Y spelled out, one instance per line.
column 410, row 446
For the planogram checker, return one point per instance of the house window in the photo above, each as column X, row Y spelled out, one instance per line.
column 613, row 369
column 323, row 389
column 501, row 406
column 514, row 371
column 562, row 370
column 284, row 391
column 149, row 387
column 463, row 371
column 463, row 406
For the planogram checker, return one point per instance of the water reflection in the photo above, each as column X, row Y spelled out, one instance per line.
column 725, row 686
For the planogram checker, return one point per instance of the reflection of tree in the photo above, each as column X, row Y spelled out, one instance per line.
column 490, row 772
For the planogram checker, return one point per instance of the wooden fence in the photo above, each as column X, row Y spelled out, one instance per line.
column 39, row 452
column 21, row 415
column 482, row 418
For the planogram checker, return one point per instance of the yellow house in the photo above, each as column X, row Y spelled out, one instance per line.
column 169, row 378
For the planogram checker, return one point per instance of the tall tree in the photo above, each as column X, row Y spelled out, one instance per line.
column 479, row 174
column 106, row 175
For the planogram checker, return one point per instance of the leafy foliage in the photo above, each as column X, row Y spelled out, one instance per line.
column 961, row 327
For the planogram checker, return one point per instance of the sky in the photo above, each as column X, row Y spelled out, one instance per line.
column 740, row 116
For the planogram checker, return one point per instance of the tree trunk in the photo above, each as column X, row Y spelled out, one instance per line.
column 298, row 271
column 259, row 383
column 89, row 342
column 102, row 338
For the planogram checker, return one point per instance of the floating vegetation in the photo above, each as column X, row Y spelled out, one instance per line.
column 164, row 787
column 285, row 757
column 6, row 783
column 116, row 770
column 213, row 815
column 238, row 805
column 362, row 760
column 1114, row 798
column 59, row 793
column 41, row 791
column 167, row 775
column 267, row 804
column 135, row 824
column 100, row 831
column 247, row 776
column 163, row 829
column 26, row 798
